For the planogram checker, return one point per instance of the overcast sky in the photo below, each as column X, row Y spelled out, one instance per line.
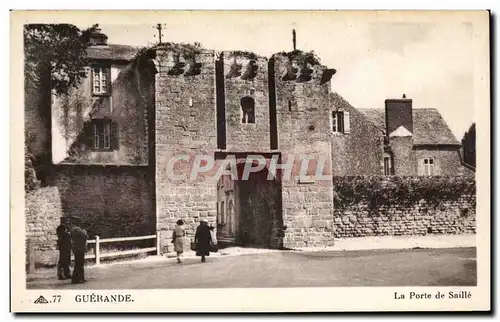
column 430, row 62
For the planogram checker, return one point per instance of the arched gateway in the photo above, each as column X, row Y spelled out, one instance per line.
column 252, row 213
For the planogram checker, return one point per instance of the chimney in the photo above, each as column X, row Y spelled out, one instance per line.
column 97, row 38
column 398, row 112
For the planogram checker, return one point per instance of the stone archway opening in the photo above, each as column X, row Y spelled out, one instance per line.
column 253, row 209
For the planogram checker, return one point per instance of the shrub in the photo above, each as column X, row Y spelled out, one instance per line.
column 302, row 58
column 379, row 191
column 30, row 180
column 246, row 54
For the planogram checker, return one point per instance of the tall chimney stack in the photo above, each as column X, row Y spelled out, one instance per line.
column 398, row 112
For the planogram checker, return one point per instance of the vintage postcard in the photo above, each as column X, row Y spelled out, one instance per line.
column 250, row 161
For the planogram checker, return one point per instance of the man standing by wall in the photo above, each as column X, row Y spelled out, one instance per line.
column 79, row 243
column 64, row 247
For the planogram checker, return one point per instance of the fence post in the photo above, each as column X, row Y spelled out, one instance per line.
column 97, row 251
column 31, row 256
column 158, row 243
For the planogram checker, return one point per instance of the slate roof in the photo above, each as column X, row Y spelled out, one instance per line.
column 429, row 127
column 112, row 52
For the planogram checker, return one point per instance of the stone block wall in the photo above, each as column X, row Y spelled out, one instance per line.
column 185, row 125
column 43, row 209
column 452, row 218
column 449, row 214
column 112, row 201
column 358, row 152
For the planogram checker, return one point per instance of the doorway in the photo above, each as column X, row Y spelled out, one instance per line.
column 252, row 214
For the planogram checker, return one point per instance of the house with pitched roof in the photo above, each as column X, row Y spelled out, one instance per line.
column 415, row 141
column 395, row 140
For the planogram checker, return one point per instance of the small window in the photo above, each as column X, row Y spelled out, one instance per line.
column 100, row 80
column 102, row 135
column 337, row 122
column 248, row 109
column 429, row 165
column 340, row 122
column 387, row 165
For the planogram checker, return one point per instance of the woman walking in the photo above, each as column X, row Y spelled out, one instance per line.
column 203, row 238
column 179, row 239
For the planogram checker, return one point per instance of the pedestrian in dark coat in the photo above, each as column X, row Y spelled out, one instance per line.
column 79, row 243
column 203, row 238
column 64, row 247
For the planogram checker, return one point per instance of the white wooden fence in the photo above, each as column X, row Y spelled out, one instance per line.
column 97, row 249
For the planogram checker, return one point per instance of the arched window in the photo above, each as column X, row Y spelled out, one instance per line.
column 248, row 108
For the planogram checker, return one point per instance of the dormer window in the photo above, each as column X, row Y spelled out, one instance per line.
column 100, row 80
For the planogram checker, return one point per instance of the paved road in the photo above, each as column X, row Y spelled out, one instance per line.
column 416, row 267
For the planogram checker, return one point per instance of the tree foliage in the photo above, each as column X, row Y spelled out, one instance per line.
column 469, row 145
column 58, row 50
column 30, row 180
column 54, row 60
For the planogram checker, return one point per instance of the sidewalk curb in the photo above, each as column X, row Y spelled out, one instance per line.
column 172, row 257
column 341, row 245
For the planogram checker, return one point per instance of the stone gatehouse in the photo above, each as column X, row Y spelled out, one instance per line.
column 238, row 104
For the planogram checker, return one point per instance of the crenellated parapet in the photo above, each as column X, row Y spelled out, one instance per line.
column 244, row 65
column 182, row 59
column 301, row 67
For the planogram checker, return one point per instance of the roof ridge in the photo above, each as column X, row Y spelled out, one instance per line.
column 131, row 46
column 336, row 95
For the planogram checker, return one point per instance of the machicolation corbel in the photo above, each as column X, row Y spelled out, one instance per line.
column 327, row 75
column 235, row 70
column 250, row 71
column 305, row 74
column 194, row 67
column 179, row 66
column 291, row 72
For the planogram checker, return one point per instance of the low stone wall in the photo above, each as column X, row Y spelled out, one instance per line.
column 112, row 201
column 43, row 210
column 405, row 206
column 359, row 221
